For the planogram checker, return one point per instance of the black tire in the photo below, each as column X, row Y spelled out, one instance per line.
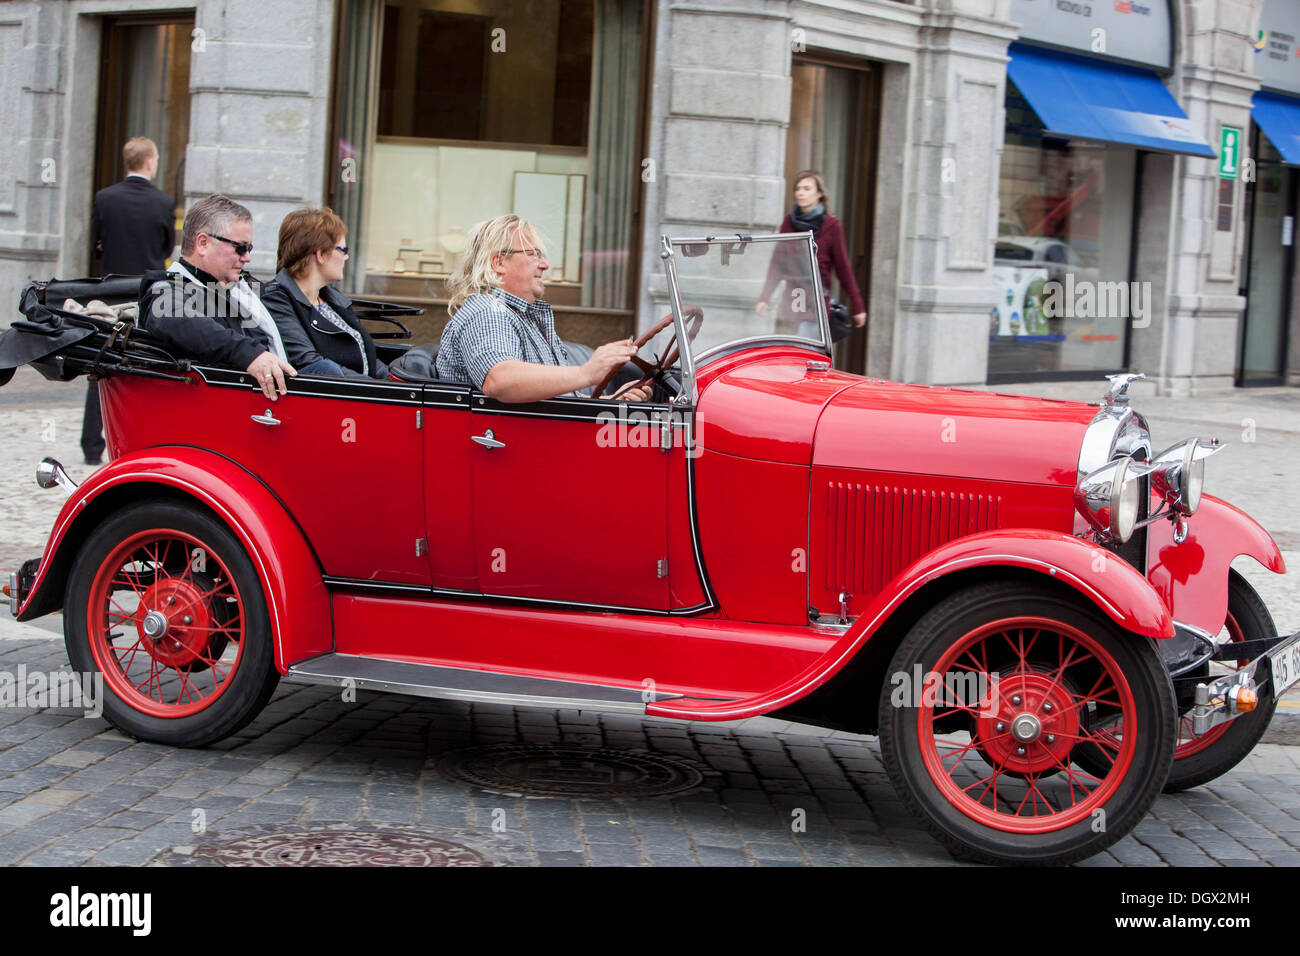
column 180, row 562
column 990, row 628
column 1195, row 764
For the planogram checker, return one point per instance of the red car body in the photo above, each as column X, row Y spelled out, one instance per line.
column 766, row 547
column 780, row 514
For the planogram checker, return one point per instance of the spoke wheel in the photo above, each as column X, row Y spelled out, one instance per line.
column 163, row 602
column 993, row 777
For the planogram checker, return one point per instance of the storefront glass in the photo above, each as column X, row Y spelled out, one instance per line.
column 454, row 111
column 1269, row 266
column 146, row 92
column 1061, row 257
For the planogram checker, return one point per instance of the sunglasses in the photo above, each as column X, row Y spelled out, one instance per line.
column 342, row 249
column 241, row 248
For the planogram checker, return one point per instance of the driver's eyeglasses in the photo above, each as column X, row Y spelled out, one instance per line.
column 533, row 253
column 241, row 248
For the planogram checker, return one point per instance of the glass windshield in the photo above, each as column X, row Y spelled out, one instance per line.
column 750, row 287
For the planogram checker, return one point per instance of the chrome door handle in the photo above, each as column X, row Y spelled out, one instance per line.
column 488, row 440
column 266, row 418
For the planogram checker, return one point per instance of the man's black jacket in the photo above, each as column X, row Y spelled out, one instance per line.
column 200, row 323
column 135, row 223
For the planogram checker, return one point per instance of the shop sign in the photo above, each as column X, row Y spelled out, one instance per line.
column 1276, row 56
column 1134, row 30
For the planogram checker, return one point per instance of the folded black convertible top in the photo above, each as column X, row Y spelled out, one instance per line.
column 62, row 344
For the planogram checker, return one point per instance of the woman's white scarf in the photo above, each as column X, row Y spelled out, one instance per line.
column 246, row 301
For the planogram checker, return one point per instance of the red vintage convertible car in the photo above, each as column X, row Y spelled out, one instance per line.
column 1029, row 605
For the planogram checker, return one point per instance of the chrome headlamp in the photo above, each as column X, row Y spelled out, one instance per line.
column 1109, row 497
column 1178, row 473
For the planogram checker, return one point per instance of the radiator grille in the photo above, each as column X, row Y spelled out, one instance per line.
column 874, row 531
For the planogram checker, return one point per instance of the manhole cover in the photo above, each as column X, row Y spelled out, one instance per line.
column 334, row 845
column 542, row 771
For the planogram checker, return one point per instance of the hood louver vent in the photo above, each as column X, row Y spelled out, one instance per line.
column 874, row 531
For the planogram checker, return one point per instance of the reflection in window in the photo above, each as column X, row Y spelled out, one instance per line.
column 1064, row 234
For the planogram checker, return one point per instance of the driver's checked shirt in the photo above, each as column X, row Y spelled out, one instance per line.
column 497, row 327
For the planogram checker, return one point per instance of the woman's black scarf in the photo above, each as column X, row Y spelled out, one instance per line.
column 810, row 221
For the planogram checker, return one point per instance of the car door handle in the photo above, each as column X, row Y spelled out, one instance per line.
column 488, row 440
column 266, row 418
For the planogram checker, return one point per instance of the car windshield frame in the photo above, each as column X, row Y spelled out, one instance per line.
column 690, row 359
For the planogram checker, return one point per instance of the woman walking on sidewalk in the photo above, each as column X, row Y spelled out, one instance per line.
column 809, row 215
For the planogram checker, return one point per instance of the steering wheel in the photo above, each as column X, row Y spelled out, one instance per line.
column 692, row 314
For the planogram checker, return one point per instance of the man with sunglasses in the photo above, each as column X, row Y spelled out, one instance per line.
column 203, row 307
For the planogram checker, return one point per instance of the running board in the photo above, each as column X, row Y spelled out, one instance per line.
column 457, row 683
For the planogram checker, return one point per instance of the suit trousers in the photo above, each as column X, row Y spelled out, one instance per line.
column 92, row 425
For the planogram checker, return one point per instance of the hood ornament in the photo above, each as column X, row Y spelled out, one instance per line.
column 1117, row 394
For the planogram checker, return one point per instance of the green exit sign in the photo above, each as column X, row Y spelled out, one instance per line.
column 1229, row 151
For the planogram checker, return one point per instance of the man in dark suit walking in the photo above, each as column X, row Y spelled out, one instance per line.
column 132, row 230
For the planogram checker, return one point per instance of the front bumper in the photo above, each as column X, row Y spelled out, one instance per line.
column 1216, row 701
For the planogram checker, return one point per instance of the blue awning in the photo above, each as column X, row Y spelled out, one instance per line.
column 1279, row 117
column 1082, row 98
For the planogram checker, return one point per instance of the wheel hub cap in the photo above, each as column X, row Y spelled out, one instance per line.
column 1026, row 728
column 178, row 630
column 1038, row 727
column 155, row 625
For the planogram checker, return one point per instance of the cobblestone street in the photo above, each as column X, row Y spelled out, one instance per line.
column 75, row 791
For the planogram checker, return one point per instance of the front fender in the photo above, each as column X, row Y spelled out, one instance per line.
column 1108, row 582
column 1192, row 577
column 285, row 563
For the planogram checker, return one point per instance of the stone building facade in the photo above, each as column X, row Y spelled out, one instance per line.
column 284, row 94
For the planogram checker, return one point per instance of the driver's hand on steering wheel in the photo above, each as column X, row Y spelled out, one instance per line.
column 610, row 357
column 632, row 392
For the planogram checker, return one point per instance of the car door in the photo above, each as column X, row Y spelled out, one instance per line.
column 345, row 457
column 570, row 502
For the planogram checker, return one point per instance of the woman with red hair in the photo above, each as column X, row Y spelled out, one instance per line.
column 321, row 333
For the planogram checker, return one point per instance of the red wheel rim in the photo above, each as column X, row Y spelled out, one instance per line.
column 1052, row 682
column 1188, row 742
column 166, row 623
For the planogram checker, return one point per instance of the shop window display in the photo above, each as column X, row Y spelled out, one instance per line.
column 1061, row 258
column 461, row 110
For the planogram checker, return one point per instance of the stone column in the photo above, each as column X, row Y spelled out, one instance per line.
column 950, row 210
column 31, row 164
column 1213, row 82
column 719, row 108
column 259, row 110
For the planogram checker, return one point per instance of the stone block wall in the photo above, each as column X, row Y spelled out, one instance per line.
column 259, row 121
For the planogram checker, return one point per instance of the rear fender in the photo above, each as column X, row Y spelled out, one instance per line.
column 1192, row 577
column 1113, row 585
column 281, row 555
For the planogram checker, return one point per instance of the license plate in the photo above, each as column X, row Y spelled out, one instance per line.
column 1284, row 662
